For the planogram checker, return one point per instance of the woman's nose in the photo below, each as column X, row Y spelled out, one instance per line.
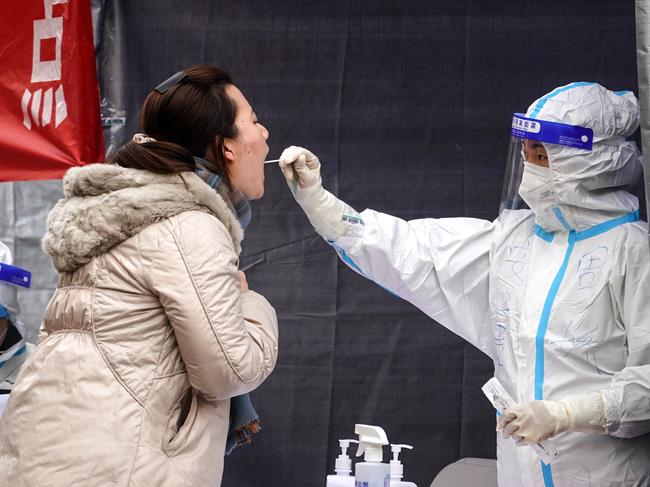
column 265, row 132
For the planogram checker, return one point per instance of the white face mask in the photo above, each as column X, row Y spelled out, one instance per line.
column 536, row 190
column 535, row 187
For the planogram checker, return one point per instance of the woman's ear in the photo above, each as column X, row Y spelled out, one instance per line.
column 228, row 147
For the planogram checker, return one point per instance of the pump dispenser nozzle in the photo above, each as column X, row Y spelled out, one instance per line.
column 371, row 440
column 343, row 465
column 396, row 467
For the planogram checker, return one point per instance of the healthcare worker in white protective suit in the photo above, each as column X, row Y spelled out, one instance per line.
column 14, row 348
column 558, row 297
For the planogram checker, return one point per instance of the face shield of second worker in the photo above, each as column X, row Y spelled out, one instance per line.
column 527, row 181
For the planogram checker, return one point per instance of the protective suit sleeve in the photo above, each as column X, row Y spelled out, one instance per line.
column 627, row 402
column 439, row 265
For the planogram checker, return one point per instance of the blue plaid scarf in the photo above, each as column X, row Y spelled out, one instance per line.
column 244, row 421
column 239, row 204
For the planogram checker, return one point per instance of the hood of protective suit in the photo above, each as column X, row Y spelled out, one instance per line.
column 590, row 187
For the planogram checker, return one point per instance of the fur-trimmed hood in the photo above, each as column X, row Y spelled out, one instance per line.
column 105, row 204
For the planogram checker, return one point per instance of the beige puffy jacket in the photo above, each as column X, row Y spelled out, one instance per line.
column 148, row 336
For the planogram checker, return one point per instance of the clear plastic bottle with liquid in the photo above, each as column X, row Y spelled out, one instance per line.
column 397, row 469
column 343, row 468
column 371, row 472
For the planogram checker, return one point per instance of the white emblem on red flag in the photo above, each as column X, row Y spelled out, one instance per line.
column 48, row 29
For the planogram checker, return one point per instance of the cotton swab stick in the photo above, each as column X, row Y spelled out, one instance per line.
column 272, row 160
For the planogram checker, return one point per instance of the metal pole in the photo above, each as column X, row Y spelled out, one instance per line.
column 643, row 67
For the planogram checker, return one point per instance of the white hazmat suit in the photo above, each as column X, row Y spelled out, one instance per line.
column 559, row 300
column 14, row 348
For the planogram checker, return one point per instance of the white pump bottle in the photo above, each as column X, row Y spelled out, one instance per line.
column 343, row 468
column 397, row 469
column 372, row 472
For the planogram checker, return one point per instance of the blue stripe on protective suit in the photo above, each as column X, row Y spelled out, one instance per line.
column 543, row 234
column 542, row 101
column 558, row 214
column 608, row 225
column 348, row 260
column 574, row 237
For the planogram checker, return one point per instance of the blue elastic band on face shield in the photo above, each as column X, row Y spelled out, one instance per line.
column 552, row 132
column 15, row 275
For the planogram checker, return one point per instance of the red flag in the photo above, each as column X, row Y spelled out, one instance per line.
column 49, row 97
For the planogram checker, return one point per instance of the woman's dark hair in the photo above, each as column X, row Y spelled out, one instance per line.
column 185, row 120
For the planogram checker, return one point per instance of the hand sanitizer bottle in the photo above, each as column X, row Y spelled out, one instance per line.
column 343, row 468
column 397, row 469
column 372, row 472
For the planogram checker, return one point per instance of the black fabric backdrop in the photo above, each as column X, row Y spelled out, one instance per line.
column 408, row 105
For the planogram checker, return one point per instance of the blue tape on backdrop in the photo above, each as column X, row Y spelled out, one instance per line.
column 15, row 275
column 552, row 132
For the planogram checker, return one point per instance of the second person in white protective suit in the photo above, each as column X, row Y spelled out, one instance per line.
column 558, row 297
column 14, row 348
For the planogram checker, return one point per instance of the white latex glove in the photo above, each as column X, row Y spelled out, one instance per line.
column 300, row 167
column 537, row 421
column 326, row 212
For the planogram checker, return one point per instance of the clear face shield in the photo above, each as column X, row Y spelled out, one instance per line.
column 530, row 139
